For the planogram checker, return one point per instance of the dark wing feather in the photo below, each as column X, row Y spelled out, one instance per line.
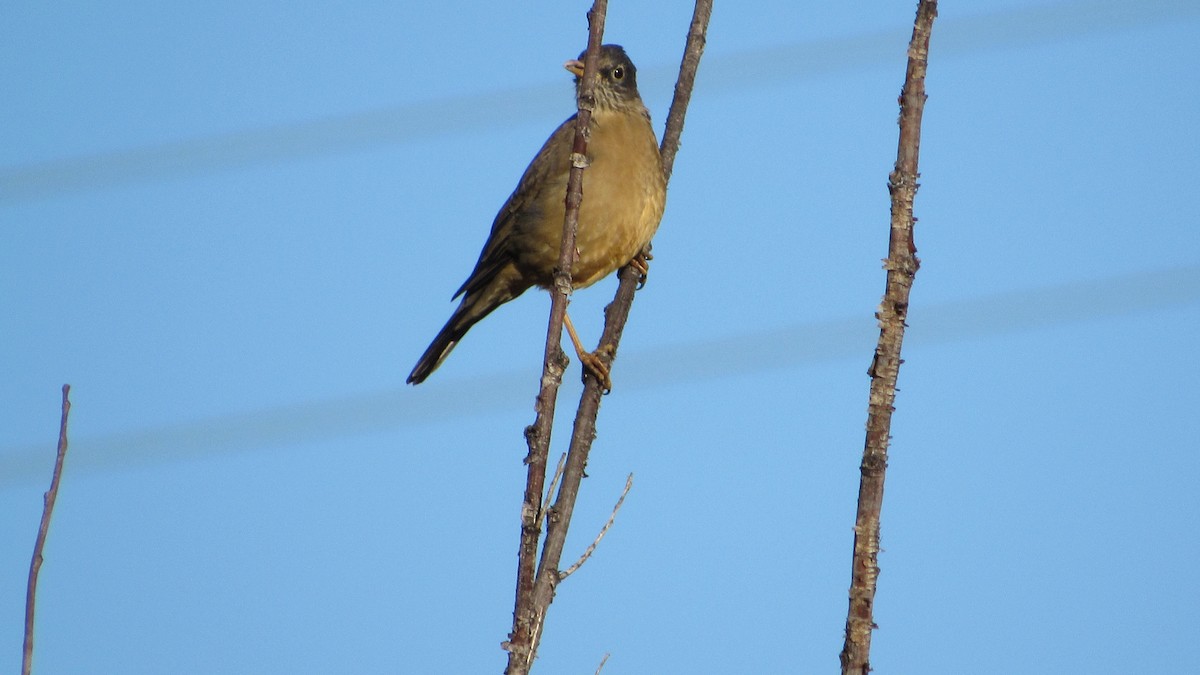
column 522, row 204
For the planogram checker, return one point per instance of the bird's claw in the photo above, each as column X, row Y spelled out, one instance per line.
column 594, row 364
column 641, row 263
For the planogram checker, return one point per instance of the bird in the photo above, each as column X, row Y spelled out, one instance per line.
column 624, row 194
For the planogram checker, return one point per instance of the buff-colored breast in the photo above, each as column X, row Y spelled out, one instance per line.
column 624, row 194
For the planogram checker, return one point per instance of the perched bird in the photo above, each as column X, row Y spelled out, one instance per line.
column 624, row 193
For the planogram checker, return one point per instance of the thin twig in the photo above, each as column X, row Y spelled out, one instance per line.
column 603, row 531
column 692, row 51
column 48, row 499
column 901, row 266
column 526, row 616
column 602, row 662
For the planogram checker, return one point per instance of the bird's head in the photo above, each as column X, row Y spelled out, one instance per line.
column 616, row 79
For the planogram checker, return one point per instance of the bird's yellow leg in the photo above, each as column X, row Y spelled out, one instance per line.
column 590, row 360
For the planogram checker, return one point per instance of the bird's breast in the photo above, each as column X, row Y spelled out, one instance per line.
column 624, row 194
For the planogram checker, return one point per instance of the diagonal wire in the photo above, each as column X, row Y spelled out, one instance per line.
column 1005, row 29
column 770, row 350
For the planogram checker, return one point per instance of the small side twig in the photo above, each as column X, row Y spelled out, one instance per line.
column 602, row 662
column 901, row 266
column 558, row 472
column 48, row 499
column 612, row 517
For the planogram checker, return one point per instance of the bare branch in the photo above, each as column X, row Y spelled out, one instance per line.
column 901, row 266
column 616, row 314
column 602, row 662
column 692, row 51
column 527, row 618
column 603, row 531
column 535, row 593
column 48, row 500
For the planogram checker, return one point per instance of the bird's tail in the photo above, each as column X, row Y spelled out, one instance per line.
column 473, row 307
column 440, row 348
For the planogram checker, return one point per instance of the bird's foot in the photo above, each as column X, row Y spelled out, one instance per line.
column 594, row 363
column 641, row 263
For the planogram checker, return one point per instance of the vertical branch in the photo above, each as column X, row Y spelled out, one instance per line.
column 901, row 266
column 48, row 499
column 521, row 640
column 616, row 315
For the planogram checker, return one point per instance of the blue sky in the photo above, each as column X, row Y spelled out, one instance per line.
column 233, row 227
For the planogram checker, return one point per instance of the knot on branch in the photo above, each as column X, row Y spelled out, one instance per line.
column 562, row 283
column 903, row 180
column 555, row 365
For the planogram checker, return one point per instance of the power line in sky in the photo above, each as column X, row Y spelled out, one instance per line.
column 1003, row 29
column 775, row 349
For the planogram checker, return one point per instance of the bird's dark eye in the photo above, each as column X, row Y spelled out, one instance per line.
column 618, row 73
